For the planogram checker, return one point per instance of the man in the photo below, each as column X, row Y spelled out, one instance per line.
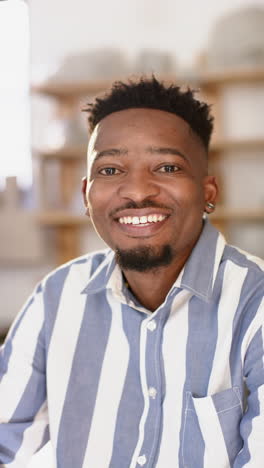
column 150, row 353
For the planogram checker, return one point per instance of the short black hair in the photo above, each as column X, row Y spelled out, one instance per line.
column 154, row 94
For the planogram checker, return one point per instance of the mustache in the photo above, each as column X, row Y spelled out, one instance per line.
column 137, row 206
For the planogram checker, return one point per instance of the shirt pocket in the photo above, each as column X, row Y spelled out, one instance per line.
column 211, row 435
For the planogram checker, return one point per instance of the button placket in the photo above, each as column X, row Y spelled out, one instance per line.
column 142, row 460
column 152, row 325
column 152, row 392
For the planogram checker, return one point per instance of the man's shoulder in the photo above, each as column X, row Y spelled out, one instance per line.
column 243, row 259
column 81, row 268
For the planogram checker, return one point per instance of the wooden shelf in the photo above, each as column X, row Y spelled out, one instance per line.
column 77, row 152
column 236, row 215
column 65, row 90
column 211, row 79
column 237, row 145
column 60, row 90
column 206, row 79
column 61, row 218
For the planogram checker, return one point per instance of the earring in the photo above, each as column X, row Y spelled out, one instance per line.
column 210, row 205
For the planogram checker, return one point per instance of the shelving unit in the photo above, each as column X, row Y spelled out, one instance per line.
column 213, row 80
column 67, row 224
column 240, row 145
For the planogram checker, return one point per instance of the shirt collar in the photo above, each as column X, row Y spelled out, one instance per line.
column 199, row 273
column 100, row 279
column 197, row 276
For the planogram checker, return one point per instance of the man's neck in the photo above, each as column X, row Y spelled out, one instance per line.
column 151, row 287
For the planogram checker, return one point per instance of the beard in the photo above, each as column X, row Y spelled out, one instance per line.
column 145, row 258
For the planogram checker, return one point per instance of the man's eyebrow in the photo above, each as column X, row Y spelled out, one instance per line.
column 111, row 152
column 166, row 150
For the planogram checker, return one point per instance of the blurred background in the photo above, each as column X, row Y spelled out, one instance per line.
column 56, row 56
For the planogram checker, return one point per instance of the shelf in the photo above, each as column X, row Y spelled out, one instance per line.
column 77, row 152
column 237, row 215
column 64, row 90
column 210, row 79
column 61, row 218
column 237, row 145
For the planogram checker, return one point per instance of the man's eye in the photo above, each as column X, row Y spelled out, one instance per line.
column 169, row 168
column 109, row 171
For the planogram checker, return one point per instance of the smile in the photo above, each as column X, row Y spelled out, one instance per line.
column 135, row 220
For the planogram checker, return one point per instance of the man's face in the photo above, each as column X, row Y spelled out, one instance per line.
column 147, row 182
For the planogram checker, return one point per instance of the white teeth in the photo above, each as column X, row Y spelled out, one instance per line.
column 155, row 218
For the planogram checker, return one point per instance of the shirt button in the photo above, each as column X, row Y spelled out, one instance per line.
column 152, row 392
column 152, row 325
column 142, row 460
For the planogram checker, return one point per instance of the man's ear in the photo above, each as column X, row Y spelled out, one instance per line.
column 84, row 187
column 210, row 192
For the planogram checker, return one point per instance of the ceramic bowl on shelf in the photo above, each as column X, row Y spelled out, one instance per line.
column 237, row 39
column 103, row 63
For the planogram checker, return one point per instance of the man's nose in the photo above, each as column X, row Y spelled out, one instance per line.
column 139, row 186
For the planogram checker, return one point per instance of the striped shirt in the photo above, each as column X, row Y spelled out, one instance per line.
column 111, row 384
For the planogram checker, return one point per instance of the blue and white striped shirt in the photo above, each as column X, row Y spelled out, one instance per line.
column 114, row 385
